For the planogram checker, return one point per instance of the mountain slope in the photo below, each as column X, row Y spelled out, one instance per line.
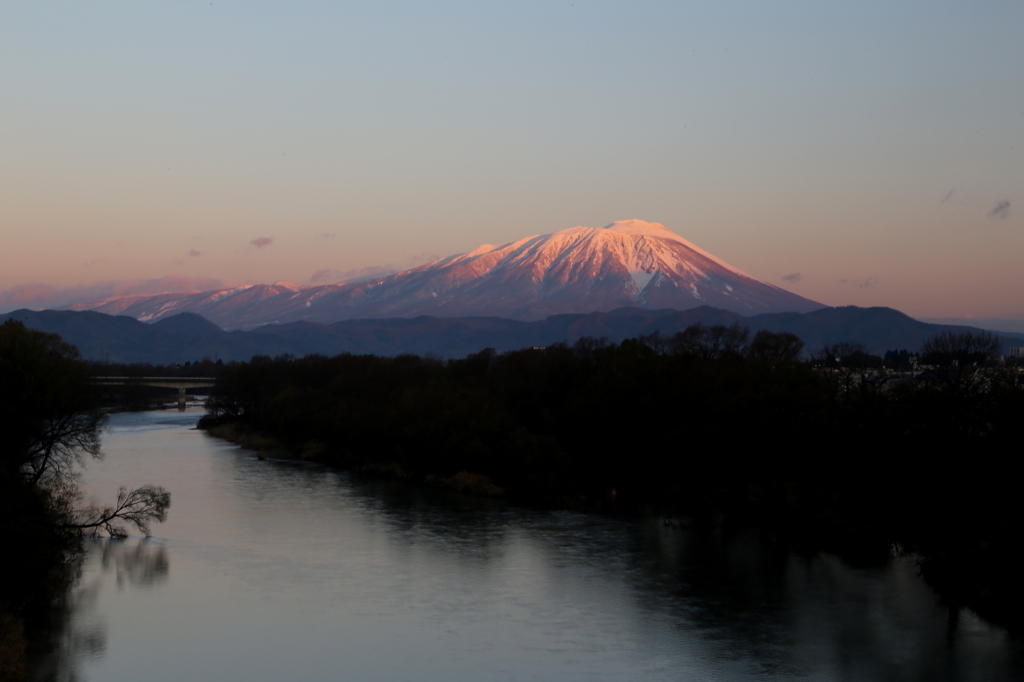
column 232, row 308
column 878, row 328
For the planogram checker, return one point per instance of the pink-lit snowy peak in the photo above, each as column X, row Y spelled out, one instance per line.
column 577, row 270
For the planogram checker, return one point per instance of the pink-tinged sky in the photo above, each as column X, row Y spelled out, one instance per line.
column 864, row 153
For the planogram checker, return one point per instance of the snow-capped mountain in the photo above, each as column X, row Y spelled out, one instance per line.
column 577, row 270
column 225, row 307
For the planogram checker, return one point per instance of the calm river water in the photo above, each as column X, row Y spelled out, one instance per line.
column 275, row 570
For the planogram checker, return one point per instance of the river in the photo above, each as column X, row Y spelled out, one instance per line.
column 269, row 570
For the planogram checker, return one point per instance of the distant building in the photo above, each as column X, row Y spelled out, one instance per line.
column 1017, row 352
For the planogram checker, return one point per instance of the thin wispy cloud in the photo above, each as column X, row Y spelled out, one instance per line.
column 861, row 283
column 326, row 235
column 322, row 276
column 26, row 294
column 261, row 242
column 328, row 275
column 948, row 195
column 792, row 277
column 1001, row 210
column 422, row 258
column 39, row 295
column 195, row 253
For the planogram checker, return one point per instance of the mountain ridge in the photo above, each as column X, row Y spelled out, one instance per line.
column 187, row 337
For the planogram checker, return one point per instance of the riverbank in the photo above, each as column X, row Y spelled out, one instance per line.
column 266, row 447
column 741, row 439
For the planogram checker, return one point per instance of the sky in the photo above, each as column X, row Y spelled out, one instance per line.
column 866, row 153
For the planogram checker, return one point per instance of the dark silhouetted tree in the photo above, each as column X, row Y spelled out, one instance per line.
column 775, row 348
column 956, row 357
column 710, row 343
column 49, row 419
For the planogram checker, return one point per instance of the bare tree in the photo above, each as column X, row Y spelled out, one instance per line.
column 51, row 427
column 139, row 507
column 775, row 348
column 956, row 357
column 709, row 343
column 656, row 342
column 47, row 416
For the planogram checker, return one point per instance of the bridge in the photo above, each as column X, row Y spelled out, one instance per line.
column 180, row 383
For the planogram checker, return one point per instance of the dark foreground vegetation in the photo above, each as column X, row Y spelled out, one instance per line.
column 50, row 425
column 852, row 453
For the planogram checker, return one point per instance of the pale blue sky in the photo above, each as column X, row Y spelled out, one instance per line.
column 812, row 138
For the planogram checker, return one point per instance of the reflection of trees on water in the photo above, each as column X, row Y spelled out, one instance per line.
column 76, row 631
column 742, row 605
column 76, row 634
column 471, row 528
column 465, row 526
column 757, row 607
column 141, row 564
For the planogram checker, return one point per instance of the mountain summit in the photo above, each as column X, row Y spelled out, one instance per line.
column 577, row 270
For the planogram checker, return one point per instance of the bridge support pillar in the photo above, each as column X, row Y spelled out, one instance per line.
column 181, row 397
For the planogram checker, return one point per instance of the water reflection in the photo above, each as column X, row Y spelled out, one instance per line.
column 74, row 637
column 287, row 570
column 139, row 563
column 80, row 630
column 732, row 607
